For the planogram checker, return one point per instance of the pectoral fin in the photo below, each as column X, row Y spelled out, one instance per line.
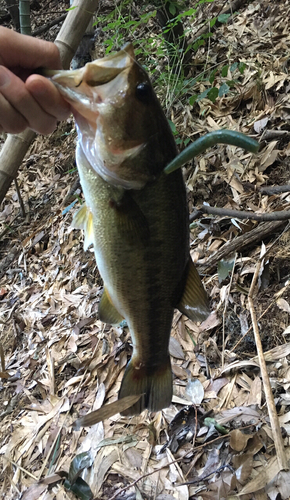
column 131, row 221
column 194, row 302
column 107, row 312
column 83, row 219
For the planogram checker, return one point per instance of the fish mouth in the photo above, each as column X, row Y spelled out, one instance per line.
column 94, row 91
column 96, row 73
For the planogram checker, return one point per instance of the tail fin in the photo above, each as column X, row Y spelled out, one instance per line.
column 154, row 383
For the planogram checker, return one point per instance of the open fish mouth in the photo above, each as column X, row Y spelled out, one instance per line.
column 97, row 72
column 97, row 93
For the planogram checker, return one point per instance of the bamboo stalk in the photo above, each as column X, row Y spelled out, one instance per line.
column 67, row 41
column 24, row 17
column 73, row 29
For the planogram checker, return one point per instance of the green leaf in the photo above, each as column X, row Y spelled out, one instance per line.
column 222, row 18
column 225, row 70
column 233, row 67
column 80, row 488
column 223, row 90
column 189, row 12
column 186, row 141
column 198, row 44
column 72, row 170
column 111, row 25
column 173, row 128
column 203, row 95
column 137, row 52
column 211, row 421
column 145, row 17
column 212, row 22
column 212, row 75
column 242, row 67
column 192, row 99
column 231, row 83
column 172, row 9
column 213, row 94
column 79, row 463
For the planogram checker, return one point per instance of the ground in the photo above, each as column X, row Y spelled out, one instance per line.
column 219, row 438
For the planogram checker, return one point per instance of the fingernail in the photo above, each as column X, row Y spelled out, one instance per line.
column 4, row 77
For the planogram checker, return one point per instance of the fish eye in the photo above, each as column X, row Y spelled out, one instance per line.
column 143, row 91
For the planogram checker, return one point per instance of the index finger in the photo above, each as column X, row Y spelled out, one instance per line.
column 26, row 51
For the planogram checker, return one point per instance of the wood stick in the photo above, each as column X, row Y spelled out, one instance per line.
column 49, row 25
column 240, row 214
column 274, row 421
column 21, row 204
column 236, row 245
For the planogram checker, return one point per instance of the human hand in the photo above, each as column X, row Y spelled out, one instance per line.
column 26, row 99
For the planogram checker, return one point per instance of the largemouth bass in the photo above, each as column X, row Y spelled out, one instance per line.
column 135, row 216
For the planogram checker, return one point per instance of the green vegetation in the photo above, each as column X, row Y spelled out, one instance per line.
column 181, row 81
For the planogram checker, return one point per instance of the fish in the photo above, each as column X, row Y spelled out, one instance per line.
column 135, row 216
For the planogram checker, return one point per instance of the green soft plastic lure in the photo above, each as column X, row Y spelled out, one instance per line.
column 209, row 140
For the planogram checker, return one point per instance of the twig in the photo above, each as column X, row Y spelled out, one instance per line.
column 251, row 327
column 202, row 478
column 193, row 462
column 49, row 25
column 69, row 197
column 22, row 208
column 241, row 214
column 122, row 490
column 22, row 469
column 275, row 426
column 204, row 349
column 269, row 135
column 2, row 358
column 273, row 301
column 266, row 189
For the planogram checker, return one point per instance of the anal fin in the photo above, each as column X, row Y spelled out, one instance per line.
column 83, row 219
column 107, row 311
column 194, row 302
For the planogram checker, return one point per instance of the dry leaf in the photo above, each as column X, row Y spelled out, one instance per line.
column 283, row 305
column 265, row 475
column 260, row 124
column 238, row 440
column 175, row 349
